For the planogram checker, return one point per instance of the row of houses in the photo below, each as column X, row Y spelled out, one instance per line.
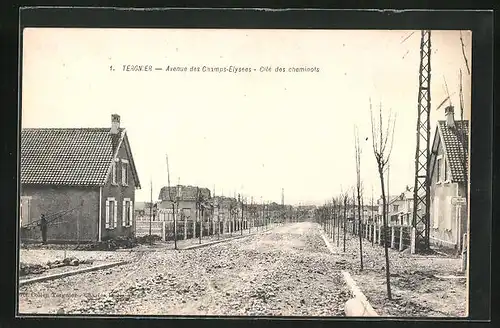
column 448, row 172
column 193, row 202
column 83, row 182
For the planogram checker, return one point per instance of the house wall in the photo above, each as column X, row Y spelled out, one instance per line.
column 119, row 192
column 444, row 226
column 77, row 225
column 187, row 207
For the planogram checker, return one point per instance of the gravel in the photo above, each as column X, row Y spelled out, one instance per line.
column 415, row 284
column 286, row 271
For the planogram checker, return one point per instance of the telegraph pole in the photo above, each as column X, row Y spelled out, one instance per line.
column 283, row 202
column 151, row 211
column 421, row 193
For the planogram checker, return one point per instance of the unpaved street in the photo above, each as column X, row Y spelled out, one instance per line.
column 285, row 271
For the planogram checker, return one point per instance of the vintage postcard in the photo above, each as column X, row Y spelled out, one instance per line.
column 244, row 172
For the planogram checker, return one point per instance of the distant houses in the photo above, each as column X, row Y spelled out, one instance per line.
column 191, row 204
column 448, row 175
column 83, row 180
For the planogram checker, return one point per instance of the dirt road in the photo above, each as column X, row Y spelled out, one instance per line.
column 286, row 271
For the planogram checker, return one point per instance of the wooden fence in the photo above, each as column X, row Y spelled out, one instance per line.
column 187, row 228
column 398, row 237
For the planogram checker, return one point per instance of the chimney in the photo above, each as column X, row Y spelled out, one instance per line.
column 115, row 131
column 449, row 114
column 115, row 124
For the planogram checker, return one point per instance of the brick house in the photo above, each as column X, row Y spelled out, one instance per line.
column 448, row 174
column 82, row 179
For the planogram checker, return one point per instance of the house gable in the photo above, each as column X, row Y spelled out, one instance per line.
column 125, row 145
column 448, row 144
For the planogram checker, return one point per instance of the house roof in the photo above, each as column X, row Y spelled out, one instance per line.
column 69, row 156
column 187, row 193
column 454, row 148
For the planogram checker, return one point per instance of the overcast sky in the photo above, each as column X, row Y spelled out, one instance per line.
column 250, row 133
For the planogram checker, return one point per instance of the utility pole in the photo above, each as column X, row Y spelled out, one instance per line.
column 198, row 202
column 252, row 216
column 240, row 197
column 173, row 200
column 151, row 211
column 373, row 221
column 263, row 209
column 421, row 193
column 283, row 203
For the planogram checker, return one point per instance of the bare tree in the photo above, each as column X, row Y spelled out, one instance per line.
column 333, row 210
column 382, row 151
column 345, row 198
column 339, row 209
column 463, row 53
column 357, row 150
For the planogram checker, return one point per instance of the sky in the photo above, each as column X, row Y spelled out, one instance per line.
column 255, row 132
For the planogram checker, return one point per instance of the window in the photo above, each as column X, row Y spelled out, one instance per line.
column 127, row 213
column 111, row 207
column 113, row 172
column 395, row 208
column 438, row 169
column 124, row 172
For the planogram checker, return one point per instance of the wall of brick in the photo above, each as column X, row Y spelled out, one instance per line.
column 77, row 225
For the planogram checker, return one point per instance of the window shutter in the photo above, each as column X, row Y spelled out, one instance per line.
column 435, row 220
column 115, row 214
column 124, row 213
column 131, row 213
column 107, row 213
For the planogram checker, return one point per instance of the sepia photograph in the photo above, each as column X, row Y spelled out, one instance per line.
column 244, row 172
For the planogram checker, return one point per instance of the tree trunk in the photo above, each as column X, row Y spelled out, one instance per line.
column 360, row 231
column 345, row 219
column 384, row 219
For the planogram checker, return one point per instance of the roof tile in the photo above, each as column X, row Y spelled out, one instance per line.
column 455, row 148
column 62, row 156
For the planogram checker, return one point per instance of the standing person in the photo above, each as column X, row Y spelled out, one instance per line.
column 43, row 227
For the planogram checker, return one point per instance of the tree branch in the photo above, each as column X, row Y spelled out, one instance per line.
column 463, row 53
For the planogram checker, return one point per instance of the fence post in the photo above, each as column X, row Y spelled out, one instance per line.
column 185, row 222
column 412, row 240
column 401, row 238
column 379, row 233
column 392, row 237
column 464, row 253
column 163, row 231
column 194, row 228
